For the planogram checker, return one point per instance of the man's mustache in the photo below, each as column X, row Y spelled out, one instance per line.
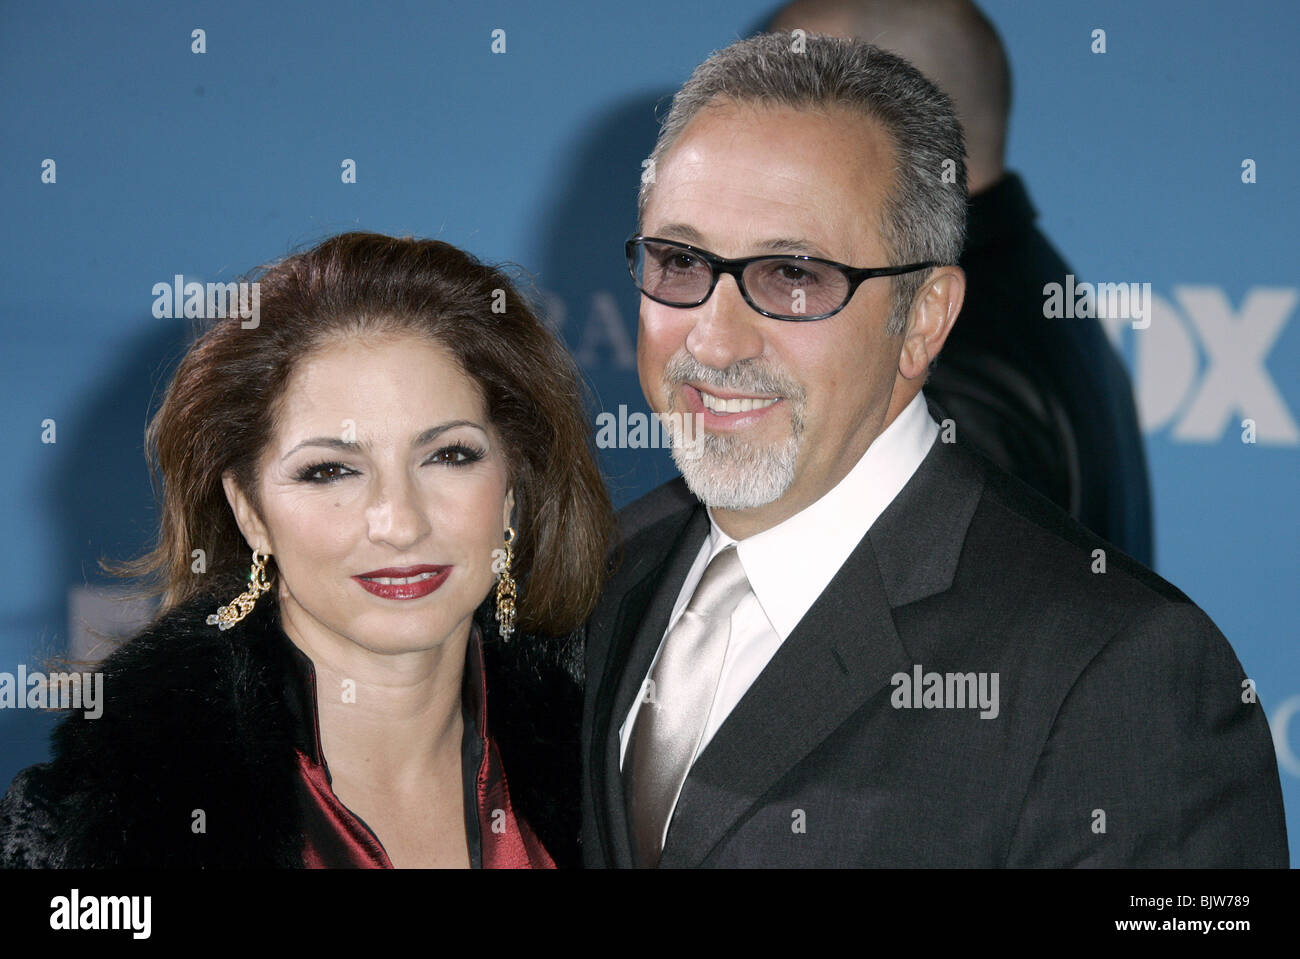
column 747, row 376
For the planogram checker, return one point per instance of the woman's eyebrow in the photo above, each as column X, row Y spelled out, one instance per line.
column 351, row 446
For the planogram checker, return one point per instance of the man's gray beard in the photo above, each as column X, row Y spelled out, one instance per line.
column 727, row 473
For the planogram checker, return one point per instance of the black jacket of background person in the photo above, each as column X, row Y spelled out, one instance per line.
column 1048, row 400
column 1123, row 735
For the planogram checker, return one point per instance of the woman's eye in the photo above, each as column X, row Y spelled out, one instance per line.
column 457, row 454
column 323, row 472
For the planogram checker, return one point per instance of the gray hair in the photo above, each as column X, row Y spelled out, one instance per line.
column 923, row 218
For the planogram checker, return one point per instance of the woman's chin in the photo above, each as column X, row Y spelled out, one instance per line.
column 406, row 634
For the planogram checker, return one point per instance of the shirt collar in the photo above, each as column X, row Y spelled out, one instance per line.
column 790, row 564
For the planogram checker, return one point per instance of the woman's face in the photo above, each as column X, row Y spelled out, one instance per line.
column 383, row 493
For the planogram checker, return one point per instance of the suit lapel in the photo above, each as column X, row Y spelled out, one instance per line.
column 841, row 655
column 638, row 629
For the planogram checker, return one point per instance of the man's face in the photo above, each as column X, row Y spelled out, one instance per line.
column 746, row 180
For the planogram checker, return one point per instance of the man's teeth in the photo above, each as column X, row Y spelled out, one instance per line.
column 401, row 581
column 717, row 404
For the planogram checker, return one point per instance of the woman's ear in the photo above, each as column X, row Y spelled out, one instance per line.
column 509, row 509
column 250, row 524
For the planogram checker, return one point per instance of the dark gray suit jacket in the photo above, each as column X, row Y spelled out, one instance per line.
column 1121, row 738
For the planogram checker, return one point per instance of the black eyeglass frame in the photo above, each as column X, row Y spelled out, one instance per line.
column 719, row 265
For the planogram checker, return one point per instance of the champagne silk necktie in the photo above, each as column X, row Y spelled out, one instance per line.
column 675, row 703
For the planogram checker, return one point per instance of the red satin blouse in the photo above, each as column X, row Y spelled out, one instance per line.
column 335, row 837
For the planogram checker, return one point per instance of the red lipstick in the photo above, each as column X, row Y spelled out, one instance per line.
column 403, row 582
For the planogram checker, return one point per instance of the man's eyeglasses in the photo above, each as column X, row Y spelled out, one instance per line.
column 781, row 286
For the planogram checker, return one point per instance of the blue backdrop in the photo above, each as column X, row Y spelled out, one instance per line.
column 168, row 161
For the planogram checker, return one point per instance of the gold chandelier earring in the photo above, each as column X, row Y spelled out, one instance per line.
column 242, row 605
column 506, row 593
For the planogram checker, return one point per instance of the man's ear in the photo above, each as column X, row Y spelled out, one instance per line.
column 254, row 530
column 933, row 313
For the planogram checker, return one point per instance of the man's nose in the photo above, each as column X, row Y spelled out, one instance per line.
column 726, row 328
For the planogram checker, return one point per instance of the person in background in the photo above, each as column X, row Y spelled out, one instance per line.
column 1047, row 399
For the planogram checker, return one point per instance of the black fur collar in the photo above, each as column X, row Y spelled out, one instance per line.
column 192, row 763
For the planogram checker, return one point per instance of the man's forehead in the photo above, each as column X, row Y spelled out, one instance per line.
column 794, row 243
column 772, row 179
column 782, row 127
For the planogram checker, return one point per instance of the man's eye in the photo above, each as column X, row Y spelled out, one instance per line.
column 679, row 262
column 795, row 274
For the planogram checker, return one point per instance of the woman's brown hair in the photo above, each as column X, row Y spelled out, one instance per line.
column 220, row 408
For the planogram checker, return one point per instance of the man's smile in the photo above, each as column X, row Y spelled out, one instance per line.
column 727, row 411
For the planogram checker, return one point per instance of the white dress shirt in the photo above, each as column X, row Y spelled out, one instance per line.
column 791, row 564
